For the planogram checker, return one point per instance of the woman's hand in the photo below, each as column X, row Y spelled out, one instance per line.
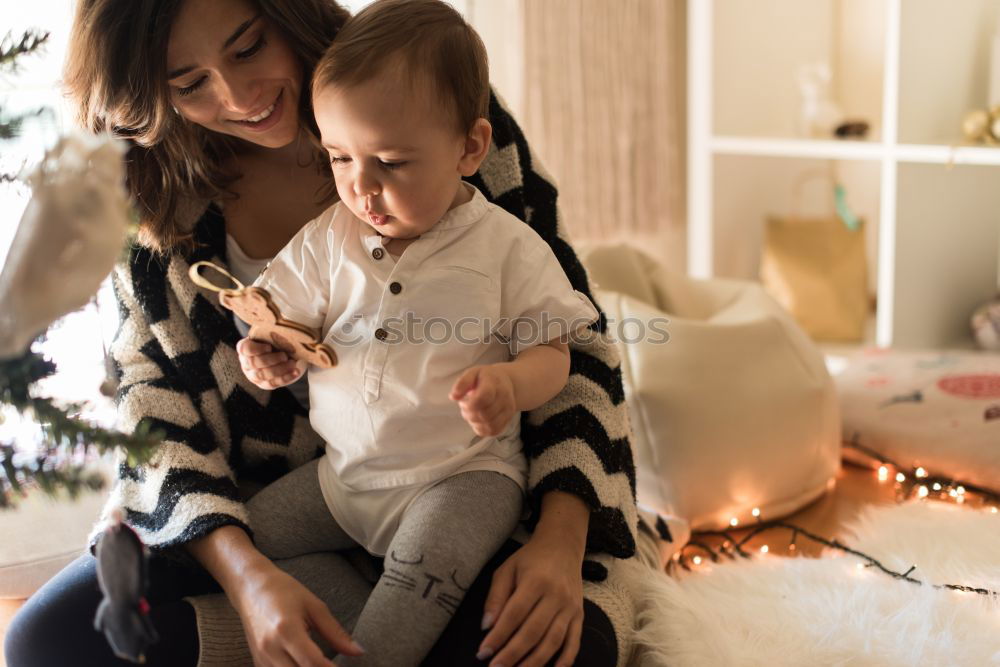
column 267, row 367
column 535, row 604
column 278, row 612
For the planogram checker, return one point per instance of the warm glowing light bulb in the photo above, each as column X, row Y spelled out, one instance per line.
column 696, row 560
column 734, row 522
column 993, row 510
column 953, row 493
column 763, row 549
column 861, row 566
column 883, row 473
column 922, row 492
column 960, row 490
column 791, row 547
column 756, row 511
column 921, row 472
column 900, row 477
column 936, row 486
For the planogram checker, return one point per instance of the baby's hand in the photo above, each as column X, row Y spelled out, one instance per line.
column 267, row 367
column 485, row 395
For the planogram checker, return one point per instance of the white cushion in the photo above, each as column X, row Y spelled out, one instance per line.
column 40, row 537
column 735, row 411
column 939, row 410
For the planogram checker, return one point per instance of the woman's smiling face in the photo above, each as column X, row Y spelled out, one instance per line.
column 232, row 72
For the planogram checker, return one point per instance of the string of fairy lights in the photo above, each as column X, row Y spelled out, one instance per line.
column 912, row 482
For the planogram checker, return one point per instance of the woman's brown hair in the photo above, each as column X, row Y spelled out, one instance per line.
column 116, row 74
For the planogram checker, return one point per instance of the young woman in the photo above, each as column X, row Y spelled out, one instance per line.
column 213, row 96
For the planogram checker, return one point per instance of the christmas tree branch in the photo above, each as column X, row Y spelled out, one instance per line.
column 10, row 50
column 68, row 440
column 30, row 42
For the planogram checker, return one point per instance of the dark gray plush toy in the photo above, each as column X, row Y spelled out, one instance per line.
column 123, row 615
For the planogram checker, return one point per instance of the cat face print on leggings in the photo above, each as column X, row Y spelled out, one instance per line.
column 440, row 588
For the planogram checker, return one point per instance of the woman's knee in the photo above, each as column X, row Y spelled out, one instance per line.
column 598, row 642
column 55, row 625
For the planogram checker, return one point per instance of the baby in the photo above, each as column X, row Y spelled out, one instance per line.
column 448, row 317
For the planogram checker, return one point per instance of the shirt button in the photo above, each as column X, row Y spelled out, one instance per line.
column 378, row 253
column 381, row 334
column 395, row 288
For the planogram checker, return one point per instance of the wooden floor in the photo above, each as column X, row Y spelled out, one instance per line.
column 7, row 609
column 855, row 488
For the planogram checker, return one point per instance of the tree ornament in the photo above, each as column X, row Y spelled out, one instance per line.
column 68, row 239
column 122, row 575
column 976, row 126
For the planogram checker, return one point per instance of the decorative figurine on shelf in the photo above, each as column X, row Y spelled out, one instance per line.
column 982, row 127
column 254, row 306
column 821, row 117
column 986, row 325
column 819, row 113
column 851, row 129
column 123, row 615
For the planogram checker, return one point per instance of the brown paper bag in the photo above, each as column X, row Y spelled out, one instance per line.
column 817, row 269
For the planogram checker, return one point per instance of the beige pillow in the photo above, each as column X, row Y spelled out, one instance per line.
column 735, row 411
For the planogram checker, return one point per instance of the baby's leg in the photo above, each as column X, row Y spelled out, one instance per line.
column 289, row 517
column 446, row 536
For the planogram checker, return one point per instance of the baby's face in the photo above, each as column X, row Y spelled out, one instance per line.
column 395, row 154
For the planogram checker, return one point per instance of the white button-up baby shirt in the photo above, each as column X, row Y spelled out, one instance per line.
column 476, row 289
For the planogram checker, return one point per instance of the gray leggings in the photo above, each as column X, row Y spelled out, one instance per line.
column 445, row 537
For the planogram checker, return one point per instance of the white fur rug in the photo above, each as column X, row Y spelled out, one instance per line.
column 799, row 611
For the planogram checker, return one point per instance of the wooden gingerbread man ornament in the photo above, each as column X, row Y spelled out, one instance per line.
column 254, row 306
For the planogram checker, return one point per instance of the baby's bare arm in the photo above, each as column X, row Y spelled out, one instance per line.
column 538, row 374
column 488, row 396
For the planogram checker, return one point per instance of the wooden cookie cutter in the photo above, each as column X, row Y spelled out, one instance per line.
column 254, row 306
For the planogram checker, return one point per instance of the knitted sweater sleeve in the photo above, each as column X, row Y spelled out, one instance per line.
column 188, row 488
column 579, row 441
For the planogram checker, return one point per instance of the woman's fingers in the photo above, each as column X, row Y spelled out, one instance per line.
column 295, row 658
column 327, row 626
column 278, row 659
column 304, row 652
column 501, row 587
column 530, row 634
column 550, row 644
column 512, row 617
column 571, row 646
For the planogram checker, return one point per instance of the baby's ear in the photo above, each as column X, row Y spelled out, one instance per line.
column 477, row 145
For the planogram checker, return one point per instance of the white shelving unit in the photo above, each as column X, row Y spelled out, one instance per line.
column 932, row 207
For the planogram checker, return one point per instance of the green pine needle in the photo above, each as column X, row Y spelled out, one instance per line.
column 67, row 438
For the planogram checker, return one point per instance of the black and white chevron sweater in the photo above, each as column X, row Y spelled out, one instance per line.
column 224, row 437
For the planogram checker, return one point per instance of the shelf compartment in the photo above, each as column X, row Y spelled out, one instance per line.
column 749, row 189
column 943, row 66
column 947, row 252
column 757, row 48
